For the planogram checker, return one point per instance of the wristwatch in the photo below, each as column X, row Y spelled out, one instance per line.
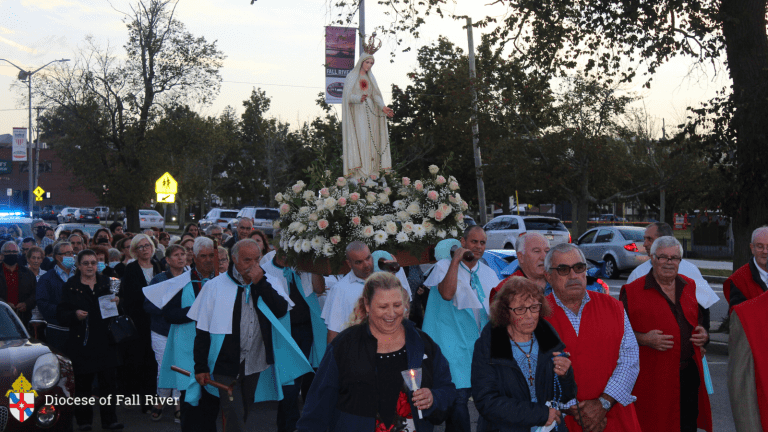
column 604, row 402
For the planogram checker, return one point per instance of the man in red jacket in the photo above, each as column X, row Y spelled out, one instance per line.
column 664, row 313
column 531, row 250
column 601, row 342
column 749, row 281
column 748, row 365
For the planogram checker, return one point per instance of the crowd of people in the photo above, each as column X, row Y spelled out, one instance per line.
column 222, row 322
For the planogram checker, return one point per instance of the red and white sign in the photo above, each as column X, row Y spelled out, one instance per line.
column 22, row 405
column 19, row 152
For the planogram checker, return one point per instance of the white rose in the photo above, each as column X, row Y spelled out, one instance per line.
column 453, row 186
column 403, row 216
column 428, row 226
column 303, row 210
column 413, row 208
column 297, row 246
column 383, row 198
column 308, row 195
column 454, row 233
column 441, row 233
column 279, row 197
column 408, row 227
column 433, row 169
column 330, row 203
column 313, row 217
column 399, row 204
column 391, row 228
column 367, row 231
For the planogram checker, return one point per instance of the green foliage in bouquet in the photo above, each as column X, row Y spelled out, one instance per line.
column 384, row 211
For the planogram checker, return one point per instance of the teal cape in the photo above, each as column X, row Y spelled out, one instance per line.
column 178, row 348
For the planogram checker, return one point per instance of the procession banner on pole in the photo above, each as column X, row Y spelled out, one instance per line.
column 19, row 150
column 339, row 60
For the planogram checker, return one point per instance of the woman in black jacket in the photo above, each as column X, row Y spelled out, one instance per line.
column 88, row 345
column 517, row 367
column 139, row 372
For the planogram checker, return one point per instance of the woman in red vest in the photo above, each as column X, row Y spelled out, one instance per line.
column 662, row 309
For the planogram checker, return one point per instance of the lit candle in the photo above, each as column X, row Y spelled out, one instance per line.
column 415, row 387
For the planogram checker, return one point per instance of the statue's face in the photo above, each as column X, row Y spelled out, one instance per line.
column 367, row 65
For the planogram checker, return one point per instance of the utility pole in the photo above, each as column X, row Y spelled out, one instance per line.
column 663, row 193
column 476, row 128
column 361, row 29
column 37, row 147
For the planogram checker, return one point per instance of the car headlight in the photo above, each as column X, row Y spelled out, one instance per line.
column 46, row 372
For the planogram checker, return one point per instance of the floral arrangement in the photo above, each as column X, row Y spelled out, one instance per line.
column 384, row 211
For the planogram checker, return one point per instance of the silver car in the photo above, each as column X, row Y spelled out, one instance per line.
column 503, row 231
column 620, row 247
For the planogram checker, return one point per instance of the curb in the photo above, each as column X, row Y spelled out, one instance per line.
column 714, row 279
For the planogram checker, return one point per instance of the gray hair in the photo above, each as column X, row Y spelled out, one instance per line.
column 212, row 228
column 355, row 246
column 562, row 248
column 663, row 229
column 200, row 244
column 244, row 219
column 69, row 239
column 57, row 247
column 665, row 242
column 520, row 243
column 235, row 252
column 758, row 231
column 6, row 246
column 135, row 243
column 114, row 254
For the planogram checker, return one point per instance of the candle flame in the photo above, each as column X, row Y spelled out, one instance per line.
column 413, row 373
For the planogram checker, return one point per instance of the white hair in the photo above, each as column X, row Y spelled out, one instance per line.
column 561, row 248
column 212, row 228
column 235, row 252
column 200, row 244
column 665, row 242
column 520, row 243
column 759, row 231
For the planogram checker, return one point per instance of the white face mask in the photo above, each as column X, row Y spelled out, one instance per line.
column 113, row 263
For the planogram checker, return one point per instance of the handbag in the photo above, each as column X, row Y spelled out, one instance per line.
column 122, row 329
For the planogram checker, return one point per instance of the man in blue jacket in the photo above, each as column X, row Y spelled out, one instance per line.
column 48, row 293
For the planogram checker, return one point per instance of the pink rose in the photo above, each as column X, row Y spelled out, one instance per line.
column 284, row 208
column 322, row 224
column 356, row 220
column 419, row 185
column 342, row 202
column 324, row 193
column 374, row 177
column 388, row 191
column 341, row 182
column 335, row 239
column 406, row 181
column 354, row 196
column 432, row 195
column 440, row 180
column 453, row 186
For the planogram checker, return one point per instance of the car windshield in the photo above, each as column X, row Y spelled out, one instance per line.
column 10, row 326
column 228, row 215
column 148, row 213
column 544, row 225
column 633, row 235
column 26, row 228
column 87, row 212
column 89, row 229
column 267, row 214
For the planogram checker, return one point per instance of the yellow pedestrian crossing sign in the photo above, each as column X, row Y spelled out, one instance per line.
column 166, row 198
column 38, row 198
column 38, row 192
column 166, row 185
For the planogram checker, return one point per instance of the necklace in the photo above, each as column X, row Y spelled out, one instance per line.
column 528, row 357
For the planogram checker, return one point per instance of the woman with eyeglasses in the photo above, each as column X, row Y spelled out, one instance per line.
column 519, row 364
column 139, row 373
column 88, row 345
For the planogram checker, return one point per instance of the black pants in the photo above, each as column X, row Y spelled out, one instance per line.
column 288, row 408
column 200, row 418
column 83, row 388
column 689, row 396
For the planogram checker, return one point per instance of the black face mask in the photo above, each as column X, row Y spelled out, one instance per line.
column 11, row 259
column 40, row 232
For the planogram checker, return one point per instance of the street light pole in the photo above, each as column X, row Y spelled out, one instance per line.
column 30, row 143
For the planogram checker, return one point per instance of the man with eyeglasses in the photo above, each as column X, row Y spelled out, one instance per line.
column 664, row 314
column 216, row 232
column 49, row 289
column 457, row 310
column 604, row 352
column 751, row 279
column 704, row 293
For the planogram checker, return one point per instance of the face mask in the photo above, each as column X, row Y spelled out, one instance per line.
column 101, row 266
column 11, row 259
column 68, row 262
column 40, row 232
column 112, row 264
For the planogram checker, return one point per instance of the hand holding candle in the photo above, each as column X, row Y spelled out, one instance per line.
column 422, row 398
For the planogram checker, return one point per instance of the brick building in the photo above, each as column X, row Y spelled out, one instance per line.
column 53, row 178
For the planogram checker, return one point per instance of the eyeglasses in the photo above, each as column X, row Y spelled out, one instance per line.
column 143, row 247
column 70, row 253
column 536, row 308
column 89, row 263
column 665, row 259
column 565, row 270
column 760, row 247
column 223, row 261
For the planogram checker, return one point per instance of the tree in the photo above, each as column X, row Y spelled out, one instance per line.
column 615, row 38
column 109, row 105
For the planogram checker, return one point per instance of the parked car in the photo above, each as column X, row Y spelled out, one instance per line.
column 148, row 219
column 47, row 372
column 67, row 214
column 468, row 221
column 620, row 247
column 86, row 215
column 37, row 212
column 87, row 228
column 10, row 218
column 102, row 212
column 262, row 218
column 220, row 216
column 503, row 231
column 50, row 212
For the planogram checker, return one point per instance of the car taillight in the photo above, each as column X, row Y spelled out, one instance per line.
column 82, row 216
column 631, row 247
column 220, row 220
column 521, row 234
column 143, row 219
column 161, row 219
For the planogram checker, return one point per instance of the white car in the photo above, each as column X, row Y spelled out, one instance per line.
column 219, row 216
column 503, row 231
column 263, row 218
column 67, row 214
column 148, row 219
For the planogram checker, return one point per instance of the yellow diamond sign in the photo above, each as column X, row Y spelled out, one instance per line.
column 166, row 185
column 38, row 191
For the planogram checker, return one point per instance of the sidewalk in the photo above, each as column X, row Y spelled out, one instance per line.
column 712, row 265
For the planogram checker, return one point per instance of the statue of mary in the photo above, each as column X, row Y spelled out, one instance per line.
column 364, row 123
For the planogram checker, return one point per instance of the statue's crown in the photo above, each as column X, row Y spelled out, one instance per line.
column 371, row 47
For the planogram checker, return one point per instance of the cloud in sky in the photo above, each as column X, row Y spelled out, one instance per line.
column 18, row 46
